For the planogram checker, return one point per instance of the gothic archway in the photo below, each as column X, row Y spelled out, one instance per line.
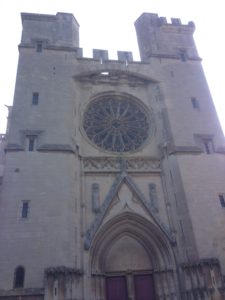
column 129, row 250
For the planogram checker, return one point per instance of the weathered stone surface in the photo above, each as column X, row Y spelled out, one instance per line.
column 94, row 212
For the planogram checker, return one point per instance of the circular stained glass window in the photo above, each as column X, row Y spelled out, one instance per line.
column 116, row 123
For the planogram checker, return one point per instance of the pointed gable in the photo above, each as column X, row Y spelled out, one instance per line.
column 121, row 179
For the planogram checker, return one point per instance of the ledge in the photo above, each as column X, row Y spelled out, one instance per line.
column 43, row 148
column 13, row 147
column 173, row 56
column 56, row 148
column 22, row 292
column 184, row 149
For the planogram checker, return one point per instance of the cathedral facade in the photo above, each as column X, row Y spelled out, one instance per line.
column 113, row 171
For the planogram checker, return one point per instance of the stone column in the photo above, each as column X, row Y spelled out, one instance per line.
column 159, row 289
column 102, row 291
column 130, row 286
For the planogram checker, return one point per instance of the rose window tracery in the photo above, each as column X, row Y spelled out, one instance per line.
column 116, row 123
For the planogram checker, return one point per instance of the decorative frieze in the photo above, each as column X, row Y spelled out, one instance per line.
column 61, row 270
column 116, row 164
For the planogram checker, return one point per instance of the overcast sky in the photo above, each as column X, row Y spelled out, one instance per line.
column 106, row 24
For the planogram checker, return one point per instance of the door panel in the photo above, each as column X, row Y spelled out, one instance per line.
column 116, row 288
column 144, row 287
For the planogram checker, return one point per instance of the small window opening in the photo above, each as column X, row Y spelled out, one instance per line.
column 19, row 277
column 208, row 146
column 31, row 143
column 194, row 102
column 35, row 98
column 222, row 200
column 39, row 47
column 25, row 209
column 183, row 55
column 104, row 73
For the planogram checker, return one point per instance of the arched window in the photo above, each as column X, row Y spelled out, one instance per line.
column 19, row 277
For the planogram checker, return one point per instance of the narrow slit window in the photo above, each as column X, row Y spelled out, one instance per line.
column 205, row 143
column 19, row 276
column 39, row 47
column 31, row 141
column 35, row 98
column 222, row 200
column 194, row 103
column 208, row 146
column 183, row 55
column 25, row 209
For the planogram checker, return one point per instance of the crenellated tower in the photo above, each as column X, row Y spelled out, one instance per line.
column 158, row 38
column 113, row 180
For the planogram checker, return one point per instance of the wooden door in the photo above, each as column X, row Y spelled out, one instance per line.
column 144, row 287
column 116, row 288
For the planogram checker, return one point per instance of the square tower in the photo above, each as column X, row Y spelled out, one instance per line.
column 112, row 174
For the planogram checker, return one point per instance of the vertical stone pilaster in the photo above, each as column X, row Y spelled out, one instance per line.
column 159, row 289
column 62, row 287
column 49, row 284
column 102, row 287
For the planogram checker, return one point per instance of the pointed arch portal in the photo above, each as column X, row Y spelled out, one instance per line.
column 132, row 259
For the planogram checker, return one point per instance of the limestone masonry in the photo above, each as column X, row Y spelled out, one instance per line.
column 112, row 172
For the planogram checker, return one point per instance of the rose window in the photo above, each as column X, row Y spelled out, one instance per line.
column 116, row 124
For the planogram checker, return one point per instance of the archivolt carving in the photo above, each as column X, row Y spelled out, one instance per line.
column 137, row 228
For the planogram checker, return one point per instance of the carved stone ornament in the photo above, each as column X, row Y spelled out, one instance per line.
column 90, row 233
column 62, row 270
column 113, row 77
column 135, row 164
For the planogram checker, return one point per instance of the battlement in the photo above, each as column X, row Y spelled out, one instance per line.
column 159, row 38
column 157, row 21
column 156, row 37
column 102, row 55
column 97, row 54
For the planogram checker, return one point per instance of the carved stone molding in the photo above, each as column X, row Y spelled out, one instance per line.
column 62, row 270
column 113, row 77
column 211, row 261
column 115, row 164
